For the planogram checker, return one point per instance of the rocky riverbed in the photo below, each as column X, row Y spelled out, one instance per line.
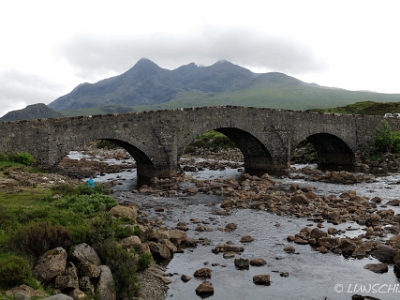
column 293, row 230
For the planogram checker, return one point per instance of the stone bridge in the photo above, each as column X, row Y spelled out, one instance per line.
column 157, row 139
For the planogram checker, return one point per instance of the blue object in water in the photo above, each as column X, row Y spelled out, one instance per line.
column 91, row 183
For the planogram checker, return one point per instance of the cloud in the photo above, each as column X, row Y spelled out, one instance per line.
column 93, row 57
column 19, row 89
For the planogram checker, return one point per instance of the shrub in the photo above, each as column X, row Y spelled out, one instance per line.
column 87, row 190
column 386, row 140
column 145, row 260
column 64, row 189
column 87, row 204
column 37, row 238
column 101, row 229
column 122, row 232
column 23, row 158
column 211, row 140
column 15, row 270
column 122, row 265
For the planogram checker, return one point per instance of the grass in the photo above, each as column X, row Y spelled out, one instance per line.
column 33, row 221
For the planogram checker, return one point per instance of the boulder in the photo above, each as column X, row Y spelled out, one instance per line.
column 160, row 249
column 262, row 279
column 88, row 269
column 384, row 252
column 26, row 291
column 185, row 278
column 78, row 295
column 318, row 233
column 289, row 249
column 205, row 289
column 377, row 268
column 132, row 241
column 86, row 285
column 124, row 211
column 177, row 236
column 50, row 265
column 104, row 287
column 347, row 246
column 246, row 239
column 203, row 273
column 68, row 280
column 258, row 262
column 85, row 253
column 241, row 263
column 59, row 297
column 299, row 199
column 230, row 227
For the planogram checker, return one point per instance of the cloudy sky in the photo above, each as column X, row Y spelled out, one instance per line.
column 49, row 47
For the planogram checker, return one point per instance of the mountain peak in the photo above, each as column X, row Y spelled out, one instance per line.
column 145, row 63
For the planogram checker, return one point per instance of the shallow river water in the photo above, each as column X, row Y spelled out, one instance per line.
column 312, row 275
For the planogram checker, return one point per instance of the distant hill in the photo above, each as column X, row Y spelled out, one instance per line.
column 31, row 112
column 146, row 86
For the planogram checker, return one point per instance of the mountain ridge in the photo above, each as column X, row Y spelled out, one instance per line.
column 146, row 86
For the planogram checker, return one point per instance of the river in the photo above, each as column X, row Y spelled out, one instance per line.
column 311, row 274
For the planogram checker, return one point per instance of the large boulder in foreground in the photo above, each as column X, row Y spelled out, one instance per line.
column 124, row 211
column 85, row 253
column 51, row 264
column 105, row 285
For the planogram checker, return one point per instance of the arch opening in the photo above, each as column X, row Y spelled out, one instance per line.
column 329, row 149
column 104, row 156
column 252, row 152
column 255, row 154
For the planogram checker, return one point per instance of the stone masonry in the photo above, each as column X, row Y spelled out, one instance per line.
column 157, row 139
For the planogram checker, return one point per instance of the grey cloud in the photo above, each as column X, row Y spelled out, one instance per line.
column 18, row 89
column 93, row 56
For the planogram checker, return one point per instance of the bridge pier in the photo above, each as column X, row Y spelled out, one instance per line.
column 263, row 164
column 149, row 171
column 336, row 158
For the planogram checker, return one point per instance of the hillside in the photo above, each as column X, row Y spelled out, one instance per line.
column 146, row 86
column 365, row 108
column 31, row 112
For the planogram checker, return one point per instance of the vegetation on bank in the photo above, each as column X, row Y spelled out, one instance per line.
column 212, row 140
column 32, row 223
column 364, row 108
column 386, row 140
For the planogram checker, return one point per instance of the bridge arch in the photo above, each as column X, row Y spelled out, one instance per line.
column 256, row 155
column 331, row 149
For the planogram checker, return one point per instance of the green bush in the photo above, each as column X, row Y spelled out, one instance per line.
column 123, row 267
column 145, row 260
column 37, row 238
column 101, row 229
column 86, row 204
column 87, row 190
column 211, row 140
column 63, row 189
column 122, row 232
column 386, row 140
column 23, row 158
column 15, row 270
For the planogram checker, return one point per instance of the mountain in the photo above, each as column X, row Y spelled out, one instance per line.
column 147, row 86
column 34, row 111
